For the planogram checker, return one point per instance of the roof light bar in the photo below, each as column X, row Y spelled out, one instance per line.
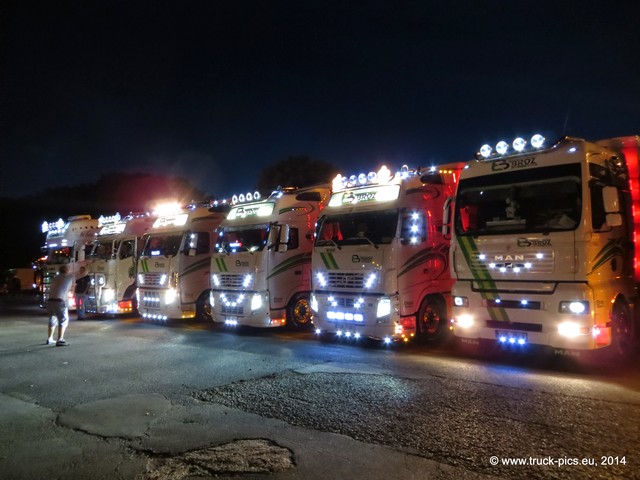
column 53, row 227
column 518, row 145
column 109, row 220
column 245, row 197
column 380, row 177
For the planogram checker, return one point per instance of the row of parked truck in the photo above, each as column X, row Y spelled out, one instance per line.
column 527, row 244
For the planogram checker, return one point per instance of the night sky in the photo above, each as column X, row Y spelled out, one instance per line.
column 214, row 91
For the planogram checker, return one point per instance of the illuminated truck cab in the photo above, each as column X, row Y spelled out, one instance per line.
column 174, row 266
column 67, row 243
column 113, row 265
column 261, row 271
column 380, row 260
column 542, row 248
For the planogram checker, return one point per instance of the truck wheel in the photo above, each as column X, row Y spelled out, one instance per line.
column 299, row 312
column 203, row 309
column 431, row 321
column 622, row 342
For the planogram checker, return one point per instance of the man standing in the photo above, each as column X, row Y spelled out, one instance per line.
column 82, row 285
column 57, row 306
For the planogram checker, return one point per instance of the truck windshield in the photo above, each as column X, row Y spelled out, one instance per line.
column 167, row 245
column 102, row 250
column 244, row 239
column 59, row 255
column 359, row 228
column 528, row 201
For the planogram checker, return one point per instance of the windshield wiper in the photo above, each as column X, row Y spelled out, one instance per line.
column 331, row 241
column 364, row 237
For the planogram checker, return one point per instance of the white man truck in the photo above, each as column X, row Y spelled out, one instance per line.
column 262, row 267
column 67, row 243
column 544, row 248
column 174, row 266
column 113, row 265
column 380, row 260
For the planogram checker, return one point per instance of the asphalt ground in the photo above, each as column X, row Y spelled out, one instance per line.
column 130, row 399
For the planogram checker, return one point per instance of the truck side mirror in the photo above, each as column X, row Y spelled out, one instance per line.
column 283, row 241
column 446, row 216
column 611, row 200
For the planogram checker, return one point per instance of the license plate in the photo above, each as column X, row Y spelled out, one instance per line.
column 509, row 337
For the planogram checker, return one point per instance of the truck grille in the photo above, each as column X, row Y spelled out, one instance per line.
column 231, row 304
column 154, row 278
column 345, row 280
column 528, row 261
column 345, row 302
column 231, row 280
column 150, row 299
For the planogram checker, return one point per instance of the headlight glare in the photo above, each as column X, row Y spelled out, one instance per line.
column 256, row 301
column 170, row 295
column 464, row 321
column 384, row 307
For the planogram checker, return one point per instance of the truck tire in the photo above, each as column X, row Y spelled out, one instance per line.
column 622, row 335
column 299, row 312
column 203, row 309
column 431, row 320
column 130, row 294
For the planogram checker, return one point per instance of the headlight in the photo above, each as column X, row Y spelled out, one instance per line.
column 464, row 321
column 575, row 308
column 163, row 279
column 101, row 280
column 140, row 279
column 461, row 301
column 322, row 280
column 384, row 307
column 170, row 295
column 246, row 282
column 216, row 279
column 256, row 301
column 314, row 303
column 569, row 329
column 108, row 294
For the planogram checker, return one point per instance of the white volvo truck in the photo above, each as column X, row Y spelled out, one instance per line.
column 114, row 263
column 67, row 243
column 262, row 267
column 380, row 261
column 175, row 263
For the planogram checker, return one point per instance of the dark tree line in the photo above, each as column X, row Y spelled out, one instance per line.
column 21, row 219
